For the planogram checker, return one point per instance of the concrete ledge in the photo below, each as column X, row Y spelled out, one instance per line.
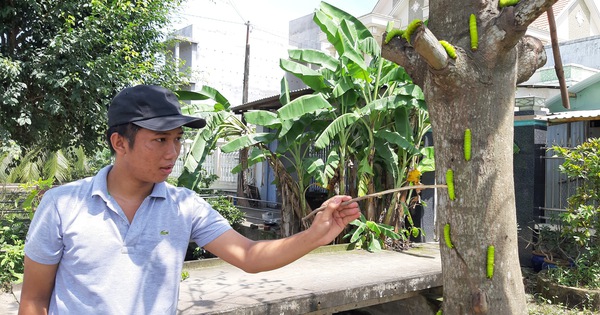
column 319, row 283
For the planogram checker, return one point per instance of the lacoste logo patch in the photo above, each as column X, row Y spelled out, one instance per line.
column 164, row 232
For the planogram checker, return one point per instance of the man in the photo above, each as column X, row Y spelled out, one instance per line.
column 115, row 243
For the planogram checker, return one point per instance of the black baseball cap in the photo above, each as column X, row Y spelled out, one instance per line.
column 151, row 107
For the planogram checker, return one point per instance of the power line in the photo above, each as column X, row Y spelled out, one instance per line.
column 212, row 19
column 236, row 10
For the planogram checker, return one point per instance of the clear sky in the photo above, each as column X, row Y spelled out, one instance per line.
column 272, row 14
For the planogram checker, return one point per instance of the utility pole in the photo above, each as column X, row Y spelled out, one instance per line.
column 243, row 154
column 558, row 67
column 246, row 65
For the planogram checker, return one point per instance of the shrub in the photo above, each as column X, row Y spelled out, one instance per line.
column 226, row 208
column 12, row 241
column 582, row 217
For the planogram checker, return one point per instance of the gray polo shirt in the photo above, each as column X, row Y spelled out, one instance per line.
column 108, row 266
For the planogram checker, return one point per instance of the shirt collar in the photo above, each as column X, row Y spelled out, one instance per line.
column 100, row 187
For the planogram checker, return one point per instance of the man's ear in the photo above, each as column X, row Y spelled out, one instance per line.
column 119, row 143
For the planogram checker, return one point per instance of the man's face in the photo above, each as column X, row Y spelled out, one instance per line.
column 153, row 155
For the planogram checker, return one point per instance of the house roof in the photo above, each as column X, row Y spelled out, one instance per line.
column 563, row 117
column 269, row 103
column 541, row 23
column 576, row 88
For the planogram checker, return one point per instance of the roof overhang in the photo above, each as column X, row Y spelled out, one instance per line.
column 572, row 116
column 269, row 103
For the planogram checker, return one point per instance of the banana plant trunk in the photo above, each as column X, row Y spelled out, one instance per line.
column 291, row 211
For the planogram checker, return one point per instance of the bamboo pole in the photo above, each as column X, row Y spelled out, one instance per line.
column 377, row 194
column 558, row 67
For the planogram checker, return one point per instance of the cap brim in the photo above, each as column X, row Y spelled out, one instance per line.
column 170, row 122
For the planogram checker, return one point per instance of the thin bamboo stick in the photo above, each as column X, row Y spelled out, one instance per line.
column 377, row 194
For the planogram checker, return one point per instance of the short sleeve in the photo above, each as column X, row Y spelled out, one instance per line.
column 208, row 224
column 44, row 243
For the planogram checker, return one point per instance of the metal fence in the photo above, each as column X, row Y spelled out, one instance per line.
column 220, row 164
column 558, row 187
column 10, row 201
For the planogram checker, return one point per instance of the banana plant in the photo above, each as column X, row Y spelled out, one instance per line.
column 375, row 104
column 294, row 126
column 221, row 123
column 368, row 115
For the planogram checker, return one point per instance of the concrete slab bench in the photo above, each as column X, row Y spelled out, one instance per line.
column 322, row 282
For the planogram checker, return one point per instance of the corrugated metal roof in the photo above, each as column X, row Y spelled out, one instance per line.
column 563, row 117
column 269, row 103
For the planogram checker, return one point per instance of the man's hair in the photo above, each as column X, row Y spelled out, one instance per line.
column 128, row 131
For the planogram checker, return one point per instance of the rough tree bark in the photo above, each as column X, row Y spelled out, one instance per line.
column 476, row 91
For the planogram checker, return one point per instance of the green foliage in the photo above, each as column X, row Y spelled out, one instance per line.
column 12, row 241
column 221, row 123
column 62, row 61
column 582, row 217
column 35, row 191
column 204, row 181
column 60, row 166
column 226, row 208
column 184, row 275
column 14, row 230
column 584, row 274
column 370, row 235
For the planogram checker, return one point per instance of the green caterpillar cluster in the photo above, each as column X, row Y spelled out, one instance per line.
column 410, row 29
column 473, row 32
column 449, row 49
column 393, row 33
column 507, row 3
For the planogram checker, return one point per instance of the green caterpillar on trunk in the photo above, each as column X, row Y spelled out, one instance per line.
column 507, row 3
column 450, row 183
column 393, row 33
column 467, row 144
column 473, row 31
column 410, row 29
column 447, row 236
column 449, row 49
column 490, row 261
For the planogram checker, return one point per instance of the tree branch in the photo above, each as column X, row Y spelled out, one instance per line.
column 430, row 49
column 426, row 49
column 528, row 11
column 513, row 21
column 531, row 56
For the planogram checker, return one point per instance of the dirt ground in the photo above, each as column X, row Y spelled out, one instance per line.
column 537, row 305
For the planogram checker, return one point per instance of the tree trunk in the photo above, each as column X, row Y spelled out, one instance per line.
column 475, row 90
column 483, row 212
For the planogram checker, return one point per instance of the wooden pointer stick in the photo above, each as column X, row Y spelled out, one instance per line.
column 377, row 194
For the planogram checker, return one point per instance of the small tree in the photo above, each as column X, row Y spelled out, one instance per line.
column 581, row 221
column 62, row 61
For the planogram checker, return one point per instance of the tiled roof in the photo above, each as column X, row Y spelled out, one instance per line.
column 541, row 23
